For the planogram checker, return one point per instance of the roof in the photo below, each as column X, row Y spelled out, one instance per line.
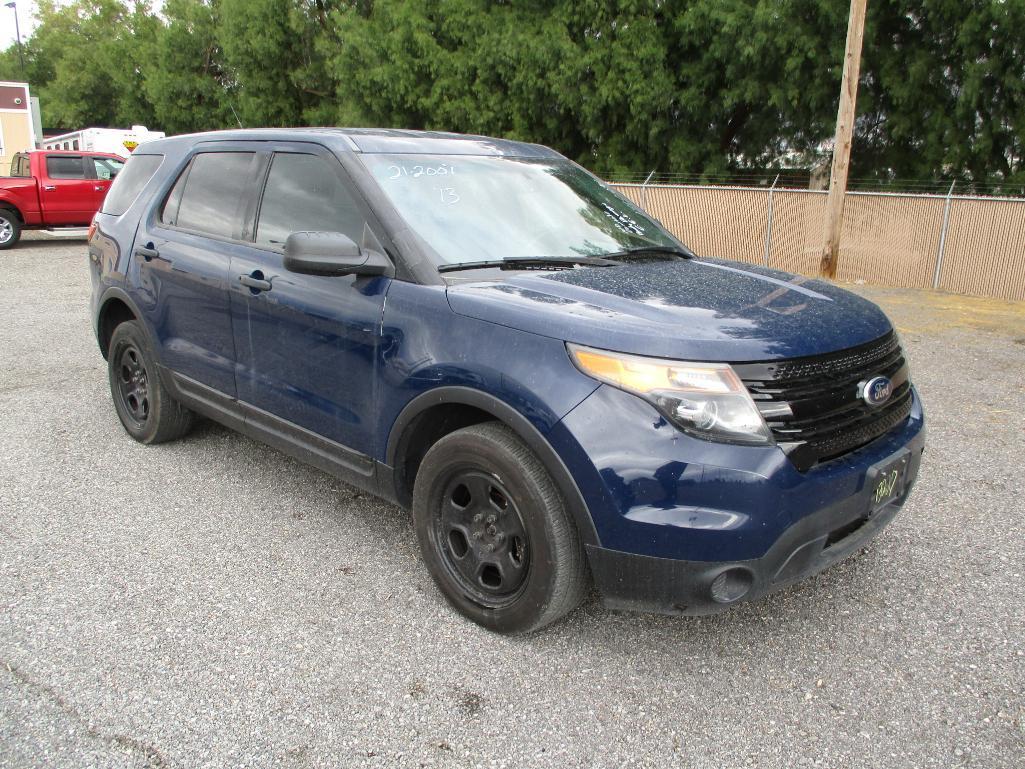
column 369, row 140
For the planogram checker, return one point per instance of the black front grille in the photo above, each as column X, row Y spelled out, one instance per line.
column 814, row 407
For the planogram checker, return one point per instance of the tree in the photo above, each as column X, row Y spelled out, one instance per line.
column 97, row 80
column 944, row 91
column 184, row 75
column 618, row 85
column 708, row 87
column 757, row 81
column 270, row 52
column 462, row 65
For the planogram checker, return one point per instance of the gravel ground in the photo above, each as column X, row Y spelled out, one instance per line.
column 214, row 603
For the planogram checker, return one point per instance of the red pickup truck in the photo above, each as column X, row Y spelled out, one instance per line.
column 53, row 189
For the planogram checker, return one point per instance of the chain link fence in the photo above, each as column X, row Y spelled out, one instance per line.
column 959, row 243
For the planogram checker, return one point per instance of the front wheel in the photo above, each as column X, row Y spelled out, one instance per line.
column 494, row 531
column 10, row 228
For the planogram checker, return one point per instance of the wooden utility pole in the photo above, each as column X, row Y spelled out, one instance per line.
column 844, row 132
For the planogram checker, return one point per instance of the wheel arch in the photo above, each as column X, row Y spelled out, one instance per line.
column 438, row 412
column 10, row 206
column 116, row 307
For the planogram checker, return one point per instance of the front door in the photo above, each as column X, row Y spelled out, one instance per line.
column 306, row 345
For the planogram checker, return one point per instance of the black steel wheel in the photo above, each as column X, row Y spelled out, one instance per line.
column 133, row 385
column 494, row 531
column 146, row 409
column 481, row 537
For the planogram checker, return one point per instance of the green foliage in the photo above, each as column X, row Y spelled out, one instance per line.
column 259, row 53
column 945, row 91
column 183, row 71
column 698, row 86
column 96, row 81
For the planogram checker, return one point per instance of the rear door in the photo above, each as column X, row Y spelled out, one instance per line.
column 66, row 192
column 307, row 344
column 182, row 252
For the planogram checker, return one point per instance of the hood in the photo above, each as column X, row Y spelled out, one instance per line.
column 694, row 309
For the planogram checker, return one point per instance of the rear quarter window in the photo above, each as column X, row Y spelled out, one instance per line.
column 20, row 166
column 129, row 183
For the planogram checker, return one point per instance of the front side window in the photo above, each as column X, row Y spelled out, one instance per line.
column 470, row 208
column 65, row 167
column 208, row 195
column 107, row 168
column 304, row 193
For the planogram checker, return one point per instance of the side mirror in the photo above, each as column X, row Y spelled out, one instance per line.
column 331, row 253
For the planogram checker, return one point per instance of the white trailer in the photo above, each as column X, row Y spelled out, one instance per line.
column 117, row 141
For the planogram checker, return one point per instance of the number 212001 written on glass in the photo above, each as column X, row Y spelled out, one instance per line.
column 414, row 172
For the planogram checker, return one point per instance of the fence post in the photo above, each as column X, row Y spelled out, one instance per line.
column 768, row 226
column 943, row 236
column 644, row 192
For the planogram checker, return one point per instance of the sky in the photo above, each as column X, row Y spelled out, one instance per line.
column 26, row 14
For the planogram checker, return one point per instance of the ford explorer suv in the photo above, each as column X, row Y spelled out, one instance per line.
column 481, row 331
column 53, row 189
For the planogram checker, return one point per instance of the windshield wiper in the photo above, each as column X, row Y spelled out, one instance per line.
column 531, row 263
column 627, row 253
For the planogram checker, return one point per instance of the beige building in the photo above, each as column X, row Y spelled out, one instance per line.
column 16, row 131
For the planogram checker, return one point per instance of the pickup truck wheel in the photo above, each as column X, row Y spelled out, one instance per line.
column 494, row 531
column 10, row 228
column 146, row 409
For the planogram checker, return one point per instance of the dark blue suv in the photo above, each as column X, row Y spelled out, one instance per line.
column 482, row 331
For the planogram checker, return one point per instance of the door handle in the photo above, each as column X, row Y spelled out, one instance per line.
column 49, row 187
column 255, row 283
column 147, row 253
column 100, row 188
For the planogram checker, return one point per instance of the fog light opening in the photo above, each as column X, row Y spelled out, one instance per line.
column 731, row 585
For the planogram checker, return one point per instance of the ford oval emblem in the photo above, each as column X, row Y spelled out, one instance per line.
column 876, row 391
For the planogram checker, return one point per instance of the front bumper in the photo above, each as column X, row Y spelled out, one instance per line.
column 674, row 516
column 670, row 586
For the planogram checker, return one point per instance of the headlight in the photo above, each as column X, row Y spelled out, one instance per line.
column 706, row 400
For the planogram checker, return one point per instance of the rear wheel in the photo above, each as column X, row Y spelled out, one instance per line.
column 146, row 409
column 10, row 228
column 494, row 531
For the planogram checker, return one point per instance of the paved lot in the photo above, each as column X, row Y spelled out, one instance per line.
column 213, row 603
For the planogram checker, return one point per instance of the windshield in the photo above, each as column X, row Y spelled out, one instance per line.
column 471, row 208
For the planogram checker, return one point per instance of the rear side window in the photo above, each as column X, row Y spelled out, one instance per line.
column 65, row 167
column 304, row 192
column 129, row 183
column 207, row 196
column 20, row 166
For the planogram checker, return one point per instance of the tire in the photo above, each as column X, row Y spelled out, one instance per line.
column 10, row 229
column 146, row 409
column 495, row 533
